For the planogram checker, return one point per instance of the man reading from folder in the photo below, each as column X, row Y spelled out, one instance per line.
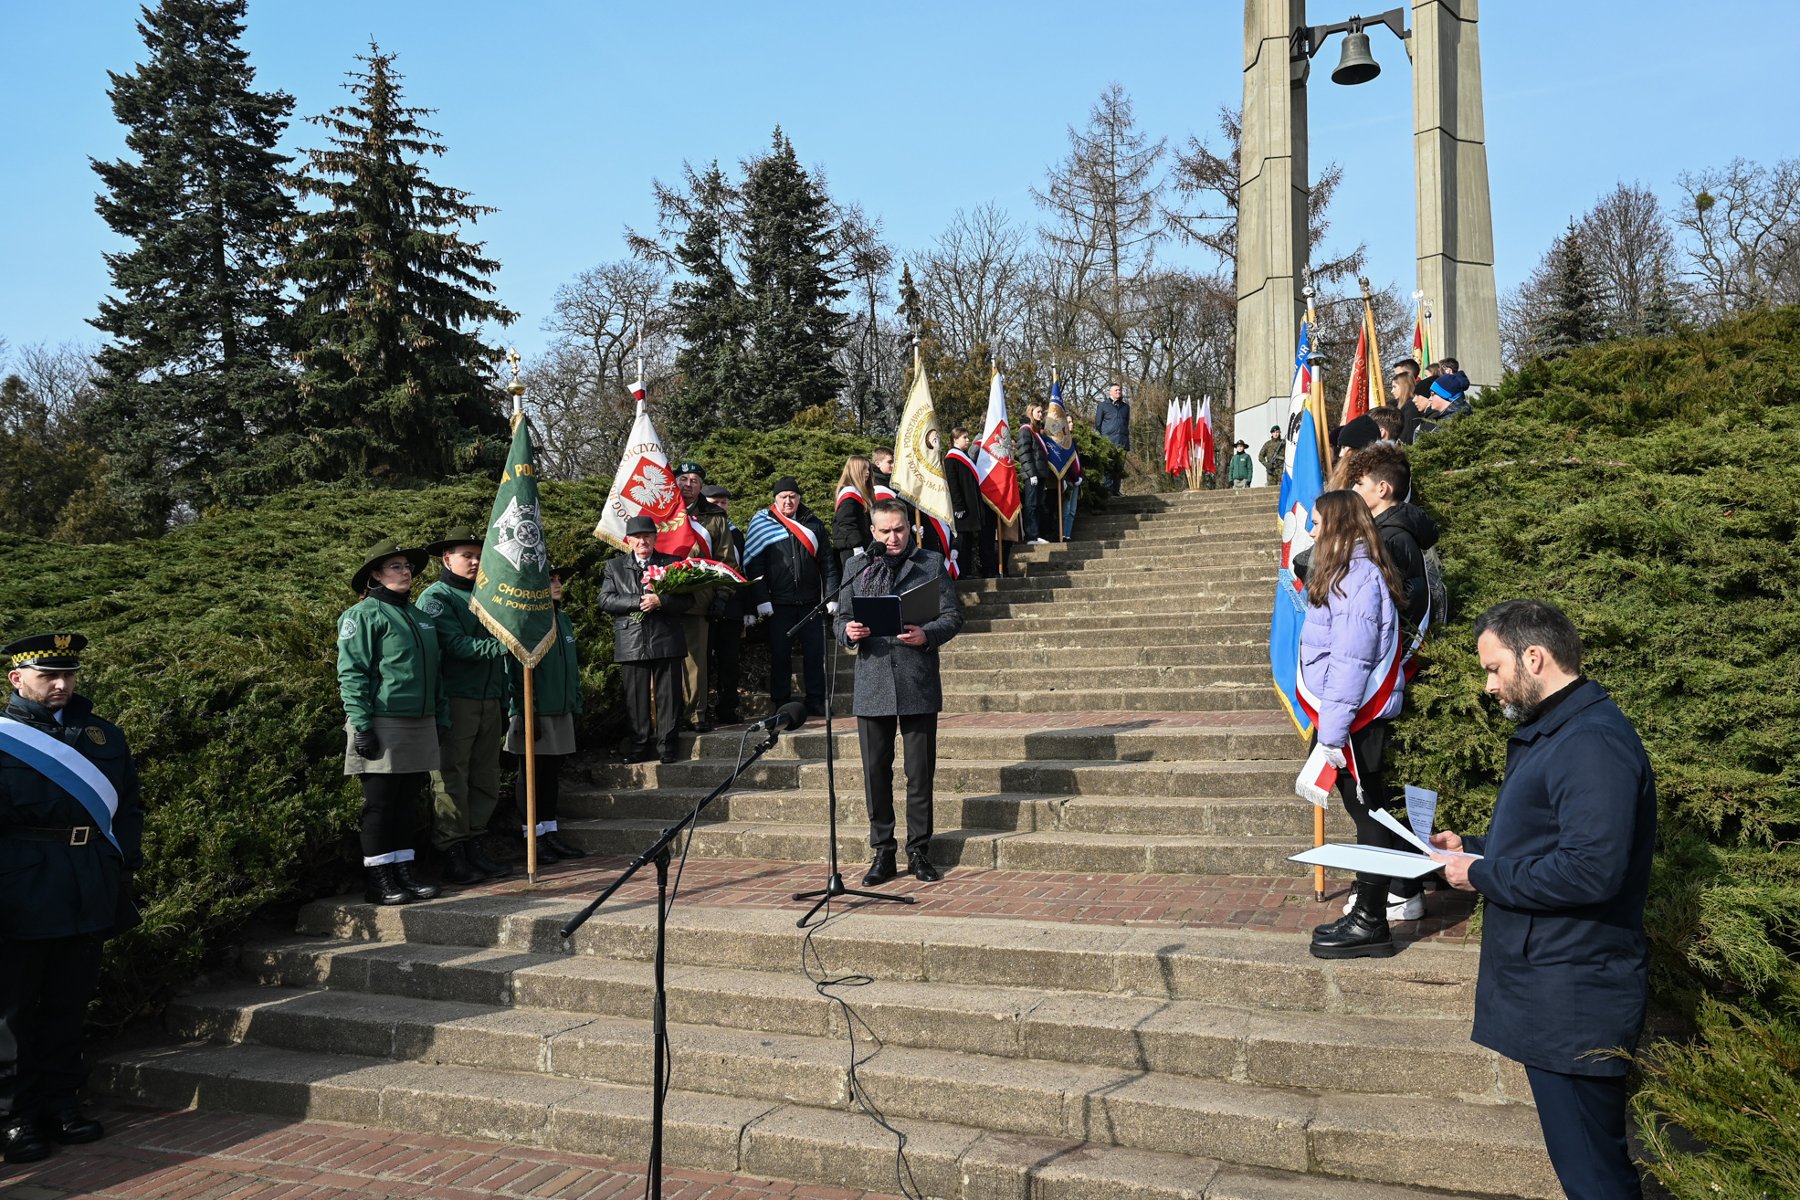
column 898, row 688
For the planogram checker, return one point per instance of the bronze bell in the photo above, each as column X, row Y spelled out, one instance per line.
column 1357, row 65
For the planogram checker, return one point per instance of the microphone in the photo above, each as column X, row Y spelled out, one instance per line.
column 876, row 548
column 791, row 715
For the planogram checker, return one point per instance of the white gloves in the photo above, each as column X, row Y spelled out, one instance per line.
column 765, row 609
column 831, row 607
column 1034, row 481
column 1335, row 756
column 860, row 552
column 749, row 620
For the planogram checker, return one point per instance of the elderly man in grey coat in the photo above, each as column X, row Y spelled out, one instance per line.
column 898, row 689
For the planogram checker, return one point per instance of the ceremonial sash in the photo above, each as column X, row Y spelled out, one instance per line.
column 962, row 458
column 701, row 536
column 1376, row 693
column 847, row 493
column 766, row 528
column 884, row 492
column 65, row 767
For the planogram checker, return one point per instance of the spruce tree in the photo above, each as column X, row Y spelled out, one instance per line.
column 395, row 377
column 1573, row 316
column 196, row 320
column 789, row 290
column 709, row 311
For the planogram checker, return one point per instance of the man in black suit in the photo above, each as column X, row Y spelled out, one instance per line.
column 648, row 643
column 70, row 825
column 898, row 689
column 1565, row 866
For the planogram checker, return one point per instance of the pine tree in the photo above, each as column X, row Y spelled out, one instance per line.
column 1661, row 317
column 1573, row 316
column 197, row 323
column 395, row 377
column 789, row 290
column 710, row 314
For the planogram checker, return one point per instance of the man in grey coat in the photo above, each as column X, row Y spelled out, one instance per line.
column 898, row 689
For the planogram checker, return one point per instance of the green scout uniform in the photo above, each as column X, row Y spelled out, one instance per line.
column 555, row 703
column 389, row 671
column 466, row 787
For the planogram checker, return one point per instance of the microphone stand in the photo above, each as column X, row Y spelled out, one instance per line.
column 834, row 880
column 658, row 853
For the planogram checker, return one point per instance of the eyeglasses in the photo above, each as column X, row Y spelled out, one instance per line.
column 402, row 565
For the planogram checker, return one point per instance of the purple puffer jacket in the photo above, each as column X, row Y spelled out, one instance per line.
column 1345, row 642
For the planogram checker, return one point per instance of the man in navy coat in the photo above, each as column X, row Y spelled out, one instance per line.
column 1564, row 866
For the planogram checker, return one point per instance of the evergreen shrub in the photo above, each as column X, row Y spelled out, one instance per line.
column 1651, row 488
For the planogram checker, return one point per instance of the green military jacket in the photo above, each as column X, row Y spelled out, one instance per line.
column 388, row 664
column 473, row 666
column 555, row 681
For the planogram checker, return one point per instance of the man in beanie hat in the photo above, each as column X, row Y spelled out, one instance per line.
column 709, row 603
column 648, row 644
column 70, row 824
column 789, row 556
column 466, row 788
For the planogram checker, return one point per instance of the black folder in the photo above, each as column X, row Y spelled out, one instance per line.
column 887, row 615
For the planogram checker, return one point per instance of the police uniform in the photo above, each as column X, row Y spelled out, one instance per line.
column 70, row 825
column 466, row 786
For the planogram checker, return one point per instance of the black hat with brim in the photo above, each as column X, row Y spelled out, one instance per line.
column 1240, row 442
column 640, row 526
column 459, row 535
column 379, row 553
column 46, row 652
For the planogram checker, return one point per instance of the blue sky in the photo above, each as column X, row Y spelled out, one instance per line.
column 559, row 113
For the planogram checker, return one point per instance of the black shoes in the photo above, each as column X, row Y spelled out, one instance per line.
column 546, row 853
column 20, row 1141
column 415, row 887
column 564, row 849
column 919, row 863
column 881, row 868
column 70, row 1128
column 481, row 862
column 668, row 756
column 729, row 717
column 381, row 885
column 457, row 867
column 1362, row 932
column 815, row 712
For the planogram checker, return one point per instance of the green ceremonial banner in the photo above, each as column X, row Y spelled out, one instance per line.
column 512, row 587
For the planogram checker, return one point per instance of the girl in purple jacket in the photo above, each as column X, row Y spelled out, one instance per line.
column 1350, row 676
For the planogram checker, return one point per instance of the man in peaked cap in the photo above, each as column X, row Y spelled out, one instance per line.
column 466, row 789
column 70, row 825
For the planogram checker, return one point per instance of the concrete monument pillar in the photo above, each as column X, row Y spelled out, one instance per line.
column 1272, row 204
column 1455, row 221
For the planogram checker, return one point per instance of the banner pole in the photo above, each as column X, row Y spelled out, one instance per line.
column 1318, row 840
column 531, row 844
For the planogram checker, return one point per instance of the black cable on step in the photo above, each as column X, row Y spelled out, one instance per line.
column 822, row 982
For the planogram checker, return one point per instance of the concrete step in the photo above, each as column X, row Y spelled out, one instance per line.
column 1237, row 968
column 1316, row 1050
column 987, row 849
column 1126, row 1106
column 1000, row 637
column 1195, row 588
column 711, row 1132
column 1008, row 811
column 1123, row 740
column 1121, row 699
column 1070, row 676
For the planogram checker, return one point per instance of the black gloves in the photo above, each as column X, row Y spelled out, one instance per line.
column 366, row 743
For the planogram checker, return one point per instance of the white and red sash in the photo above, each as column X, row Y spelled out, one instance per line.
column 847, row 492
column 798, row 532
column 962, row 458
column 1376, row 692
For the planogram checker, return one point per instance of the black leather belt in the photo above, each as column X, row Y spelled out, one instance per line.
column 77, row 835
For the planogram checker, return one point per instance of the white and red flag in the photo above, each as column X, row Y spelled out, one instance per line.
column 1205, row 454
column 994, row 466
column 1174, row 446
column 645, row 486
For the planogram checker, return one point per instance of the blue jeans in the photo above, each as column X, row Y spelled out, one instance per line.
column 1029, row 499
column 1070, row 496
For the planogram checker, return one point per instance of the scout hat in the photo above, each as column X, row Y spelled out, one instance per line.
column 640, row 526
column 380, row 552
column 459, row 535
column 46, row 652
column 1240, row 442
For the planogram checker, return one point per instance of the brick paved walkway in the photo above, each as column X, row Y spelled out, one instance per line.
column 218, row 1156
column 1193, row 901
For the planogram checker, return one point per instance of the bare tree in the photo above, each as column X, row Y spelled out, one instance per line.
column 1627, row 235
column 1743, row 225
column 972, row 280
column 870, row 366
column 1104, row 203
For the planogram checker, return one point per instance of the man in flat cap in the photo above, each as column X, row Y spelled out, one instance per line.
column 70, row 824
column 466, row 787
column 648, row 644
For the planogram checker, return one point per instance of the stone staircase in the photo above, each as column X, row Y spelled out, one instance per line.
column 1108, row 719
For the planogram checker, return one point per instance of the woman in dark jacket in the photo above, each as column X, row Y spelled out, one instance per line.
column 555, row 703
column 391, row 682
column 850, row 534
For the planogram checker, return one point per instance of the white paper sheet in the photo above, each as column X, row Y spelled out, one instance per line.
column 1401, row 864
column 1421, row 810
column 1382, row 817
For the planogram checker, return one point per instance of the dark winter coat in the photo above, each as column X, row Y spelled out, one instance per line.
column 894, row 679
column 1565, row 869
column 53, row 890
column 1028, row 452
column 658, row 634
column 1406, row 533
column 789, row 575
column 1113, row 422
column 965, row 497
column 733, row 606
column 850, row 525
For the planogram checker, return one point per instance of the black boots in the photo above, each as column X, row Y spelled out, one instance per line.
column 881, row 868
column 564, row 849
column 481, row 862
column 457, row 868
column 415, row 887
column 70, row 1128
column 1362, row 932
column 546, row 853
column 381, row 885
column 919, row 863
column 21, row 1142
